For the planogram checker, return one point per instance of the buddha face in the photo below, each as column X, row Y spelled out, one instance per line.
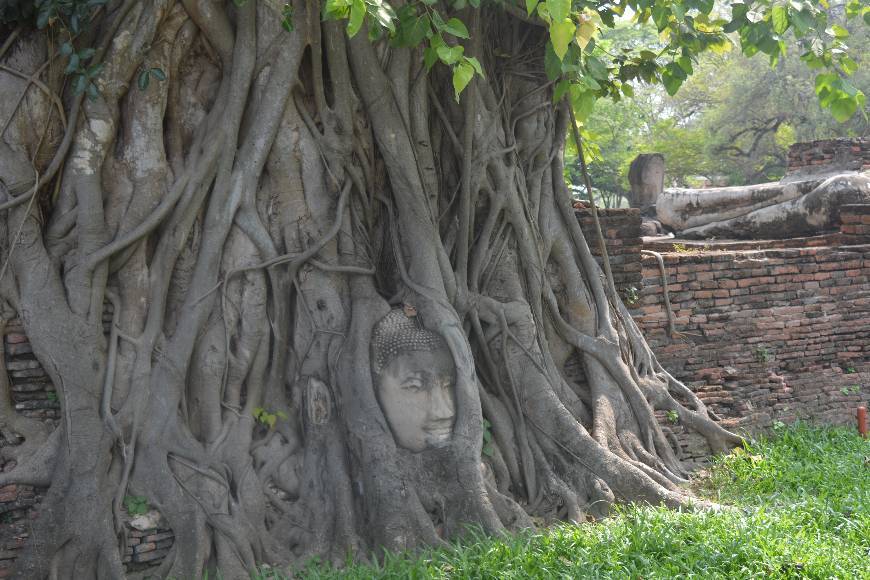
column 415, row 390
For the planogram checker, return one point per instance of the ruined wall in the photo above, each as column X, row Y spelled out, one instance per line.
column 764, row 335
column 622, row 237
column 768, row 330
column 836, row 153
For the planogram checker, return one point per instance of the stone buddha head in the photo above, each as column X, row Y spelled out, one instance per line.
column 414, row 378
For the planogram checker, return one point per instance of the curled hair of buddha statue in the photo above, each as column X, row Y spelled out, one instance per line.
column 396, row 334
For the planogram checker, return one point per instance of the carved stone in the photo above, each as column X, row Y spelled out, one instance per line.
column 414, row 377
column 769, row 210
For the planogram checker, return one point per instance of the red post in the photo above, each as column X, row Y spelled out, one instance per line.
column 862, row 421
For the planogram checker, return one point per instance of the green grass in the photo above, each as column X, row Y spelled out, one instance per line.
column 802, row 502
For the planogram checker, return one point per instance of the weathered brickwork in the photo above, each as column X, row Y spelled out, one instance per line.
column 843, row 153
column 855, row 220
column 621, row 229
column 765, row 335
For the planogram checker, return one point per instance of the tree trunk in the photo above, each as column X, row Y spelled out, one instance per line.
column 254, row 212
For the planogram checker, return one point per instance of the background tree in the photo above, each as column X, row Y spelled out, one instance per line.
column 733, row 120
column 250, row 187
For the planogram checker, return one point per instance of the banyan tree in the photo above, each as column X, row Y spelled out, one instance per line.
column 351, row 306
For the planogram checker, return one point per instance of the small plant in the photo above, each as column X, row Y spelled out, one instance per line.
column 684, row 249
column 266, row 418
column 487, row 439
column 74, row 17
column 673, row 416
column 850, row 370
column 778, row 425
column 853, row 390
column 631, row 296
column 136, row 505
column 763, row 355
column 145, row 76
column 51, row 396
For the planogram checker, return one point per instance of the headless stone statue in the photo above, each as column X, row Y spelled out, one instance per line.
column 414, row 377
column 766, row 211
column 822, row 176
column 647, row 178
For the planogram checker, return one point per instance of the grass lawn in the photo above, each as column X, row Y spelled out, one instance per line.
column 803, row 511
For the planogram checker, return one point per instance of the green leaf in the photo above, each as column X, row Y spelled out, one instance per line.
column 802, row 21
column 552, row 63
column 779, row 18
column 475, row 64
column 357, row 14
column 92, row 95
column 848, row 65
column 596, row 68
column 383, row 14
column 336, row 9
column 287, row 17
column 44, row 16
column 843, row 109
column 450, row 54
column 558, row 9
column 73, row 64
column 685, row 63
column 456, row 27
column 585, row 32
column 825, row 80
column 417, row 31
column 462, row 75
column 560, row 90
column 582, row 101
column 430, row 57
column 673, row 77
column 839, row 31
column 438, row 21
column 530, row 6
column 561, row 33
column 143, row 80
column 158, row 74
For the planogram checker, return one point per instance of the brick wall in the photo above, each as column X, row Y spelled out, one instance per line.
column 622, row 237
column 765, row 335
column 843, row 153
column 855, row 220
